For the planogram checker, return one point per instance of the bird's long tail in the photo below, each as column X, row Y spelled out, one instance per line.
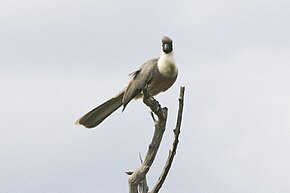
column 100, row 113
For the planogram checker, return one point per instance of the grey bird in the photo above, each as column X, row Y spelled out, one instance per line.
column 158, row 74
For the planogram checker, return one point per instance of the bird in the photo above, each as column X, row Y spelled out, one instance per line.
column 157, row 74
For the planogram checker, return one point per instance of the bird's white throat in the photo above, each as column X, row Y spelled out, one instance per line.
column 166, row 65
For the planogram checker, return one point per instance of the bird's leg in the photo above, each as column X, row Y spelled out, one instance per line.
column 152, row 115
column 151, row 102
column 146, row 94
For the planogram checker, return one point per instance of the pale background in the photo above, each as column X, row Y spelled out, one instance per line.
column 59, row 59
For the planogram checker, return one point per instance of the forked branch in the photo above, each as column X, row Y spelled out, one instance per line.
column 172, row 152
column 137, row 179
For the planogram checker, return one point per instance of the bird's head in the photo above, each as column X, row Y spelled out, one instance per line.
column 167, row 45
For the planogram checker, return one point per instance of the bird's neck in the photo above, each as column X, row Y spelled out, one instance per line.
column 166, row 65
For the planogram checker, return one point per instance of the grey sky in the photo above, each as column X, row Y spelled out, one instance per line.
column 61, row 58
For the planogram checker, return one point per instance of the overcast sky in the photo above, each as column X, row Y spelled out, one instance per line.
column 59, row 59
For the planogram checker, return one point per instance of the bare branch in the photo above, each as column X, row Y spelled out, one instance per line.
column 140, row 173
column 172, row 152
column 137, row 180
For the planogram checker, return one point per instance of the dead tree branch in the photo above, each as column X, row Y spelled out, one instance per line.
column 140, row 173
column 172, row 152
column 137, row 179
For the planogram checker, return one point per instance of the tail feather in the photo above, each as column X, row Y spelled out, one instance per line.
column 100, row 113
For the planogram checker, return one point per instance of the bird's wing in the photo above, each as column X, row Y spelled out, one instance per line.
column 140, row 78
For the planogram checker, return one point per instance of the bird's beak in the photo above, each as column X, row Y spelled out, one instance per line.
column 166, row 47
